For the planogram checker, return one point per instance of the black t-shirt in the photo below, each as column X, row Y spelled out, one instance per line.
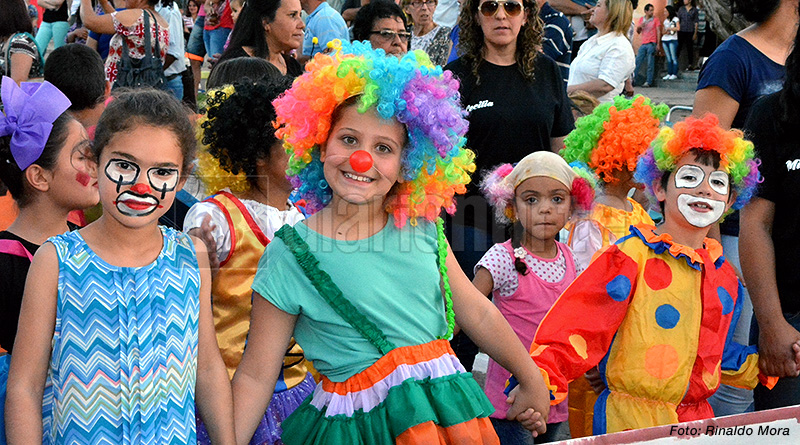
column 59, row 15
column 779, row 152
column 510, row 117
column 293, row 67
column 13, row 271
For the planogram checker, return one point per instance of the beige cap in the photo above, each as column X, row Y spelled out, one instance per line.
column 541, row 163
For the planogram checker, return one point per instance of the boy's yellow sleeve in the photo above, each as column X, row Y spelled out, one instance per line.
column 578, row 330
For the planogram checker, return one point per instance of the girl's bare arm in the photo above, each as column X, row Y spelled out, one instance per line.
column 214, row 397
column 270, row 332
column 485, row 325
column 31, row 357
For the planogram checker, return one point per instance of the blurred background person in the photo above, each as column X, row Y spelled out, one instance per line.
column 606, row 61
column 128, row 25
column 271, row 30
column 649, row 27
column 384, row 25
column 746, row 66
column 54, row 24
column 669, row 41
column 324, row 24
column 426, row 34
column 517, row 104
column 19, row 54
column 770, row 236
column 687, row 34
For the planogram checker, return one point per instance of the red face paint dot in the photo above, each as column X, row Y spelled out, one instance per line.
column 360, row 161
column 83, row 178
column 142, row 189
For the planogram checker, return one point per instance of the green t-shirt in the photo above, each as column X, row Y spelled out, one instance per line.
column 392, row 278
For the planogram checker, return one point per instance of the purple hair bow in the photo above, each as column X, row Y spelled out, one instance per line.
column 30, row 113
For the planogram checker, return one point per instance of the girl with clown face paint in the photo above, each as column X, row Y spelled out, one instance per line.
column 119, row 317
column 667, row 294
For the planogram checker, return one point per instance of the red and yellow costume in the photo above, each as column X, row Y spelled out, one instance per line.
column 232, row 293
column 664, row 343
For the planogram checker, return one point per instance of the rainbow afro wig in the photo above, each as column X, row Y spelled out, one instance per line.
column 614, row 136
column 736, row 155
column 435, row 164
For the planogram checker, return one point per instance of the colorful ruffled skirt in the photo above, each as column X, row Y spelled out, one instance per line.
column 281, row 406
column 412, row 395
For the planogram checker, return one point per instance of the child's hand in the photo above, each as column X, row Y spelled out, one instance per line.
column 532, row 421
column 595, row 381
column 204, row 233
column 529, row 399
column 796, row 350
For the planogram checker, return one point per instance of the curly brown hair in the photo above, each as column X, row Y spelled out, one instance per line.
column 471, row 45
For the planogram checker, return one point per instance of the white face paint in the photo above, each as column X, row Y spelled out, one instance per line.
column 689, row 177
column 719, row 182
column 700, row 212
column 133, row 204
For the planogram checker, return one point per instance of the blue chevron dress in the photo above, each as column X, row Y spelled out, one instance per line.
column 124, row 361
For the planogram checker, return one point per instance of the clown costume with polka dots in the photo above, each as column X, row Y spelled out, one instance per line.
column 527, row 273
column 667, row 296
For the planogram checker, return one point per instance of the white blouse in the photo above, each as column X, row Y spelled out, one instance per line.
column 267, row 218
column 609, row 58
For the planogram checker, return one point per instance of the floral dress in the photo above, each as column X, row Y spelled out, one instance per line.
column 436, row 43
column 135, row 35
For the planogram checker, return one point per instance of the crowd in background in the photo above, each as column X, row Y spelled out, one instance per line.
column 528, row 71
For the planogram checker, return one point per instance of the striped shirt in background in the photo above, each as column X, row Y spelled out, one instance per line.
column 557, row 41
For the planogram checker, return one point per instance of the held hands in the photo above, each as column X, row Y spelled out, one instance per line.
column 779, row 349
column 530, row 405
column 595, row 381
column 204, row 234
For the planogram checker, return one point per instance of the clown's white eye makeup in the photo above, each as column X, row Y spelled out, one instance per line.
column 689, row 177
column 122, row 172
column 163, row 179
column 719, row 182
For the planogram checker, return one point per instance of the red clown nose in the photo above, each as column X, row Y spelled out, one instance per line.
column 361, row 161
column 141, row 189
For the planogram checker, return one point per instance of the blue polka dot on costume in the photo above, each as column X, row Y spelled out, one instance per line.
column 726, row 300
column 667, row 316
column 619, row 288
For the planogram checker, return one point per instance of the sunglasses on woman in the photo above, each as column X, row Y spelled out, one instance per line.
column 490, row 8
column 389, row 36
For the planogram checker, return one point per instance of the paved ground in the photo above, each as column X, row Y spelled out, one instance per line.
column 672, row 96
column 678, row 92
